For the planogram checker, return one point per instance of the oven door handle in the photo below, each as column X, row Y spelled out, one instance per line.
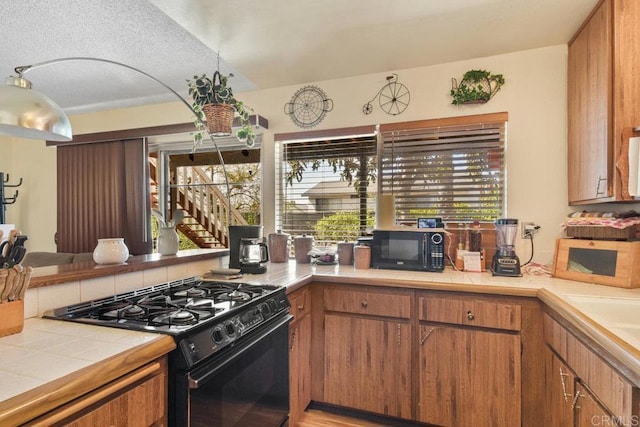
column 196, row 380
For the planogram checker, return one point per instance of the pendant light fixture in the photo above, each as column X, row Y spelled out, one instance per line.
column 26, row 113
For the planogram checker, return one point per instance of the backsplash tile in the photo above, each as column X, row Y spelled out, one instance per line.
column 57, row 296
column 99, row 287
column 127, row 282
column 177, row 272
column 154, row 276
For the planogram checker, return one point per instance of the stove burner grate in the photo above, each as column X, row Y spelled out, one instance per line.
column 192, row 292
column 174, row 316
column 234, row 296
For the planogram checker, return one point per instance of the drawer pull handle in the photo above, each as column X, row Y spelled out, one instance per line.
column 470, row 315
column 364, row 304
column 563, row 377
column 293, row 338
column 301, row 307
column 424, row 338
column 575, row 404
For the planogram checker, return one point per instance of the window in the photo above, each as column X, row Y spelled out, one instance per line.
column 326, row 184
column 449, row 168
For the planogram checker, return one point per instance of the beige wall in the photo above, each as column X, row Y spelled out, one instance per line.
column 534, row 96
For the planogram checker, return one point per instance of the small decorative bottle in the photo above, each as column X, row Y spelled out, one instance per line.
column 475, row 237
column 168, row 241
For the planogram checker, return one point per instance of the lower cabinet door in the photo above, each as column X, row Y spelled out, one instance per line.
column 137, row 399
column 368, row 364
column 589, row 412
column 559, row 391
column 468, row 377
column 300, row 368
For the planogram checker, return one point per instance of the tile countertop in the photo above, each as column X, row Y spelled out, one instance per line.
column 48, row 350
column 51, row 360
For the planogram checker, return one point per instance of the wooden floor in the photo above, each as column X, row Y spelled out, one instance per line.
column 318, row 418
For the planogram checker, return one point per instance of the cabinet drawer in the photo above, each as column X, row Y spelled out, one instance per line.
column 377, row 303
column 469, row 311
column 299, row 301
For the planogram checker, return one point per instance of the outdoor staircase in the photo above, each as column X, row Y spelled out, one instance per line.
column 205, row 207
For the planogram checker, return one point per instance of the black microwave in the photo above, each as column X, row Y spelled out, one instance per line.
column 418, row 250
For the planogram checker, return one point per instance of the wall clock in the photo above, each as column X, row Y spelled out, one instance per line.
column 394, row 97
column 308, row 106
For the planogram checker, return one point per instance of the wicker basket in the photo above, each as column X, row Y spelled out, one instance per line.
column 219, row 118
column 598, row 232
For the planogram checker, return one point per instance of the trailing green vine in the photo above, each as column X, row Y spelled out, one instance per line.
column 477, row 86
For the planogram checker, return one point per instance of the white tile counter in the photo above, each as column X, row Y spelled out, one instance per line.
column 47, row 352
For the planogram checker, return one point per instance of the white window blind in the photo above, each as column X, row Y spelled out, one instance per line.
column 456, row 172
column 326, row 187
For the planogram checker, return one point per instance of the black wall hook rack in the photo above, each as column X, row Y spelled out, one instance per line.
column 4, row 183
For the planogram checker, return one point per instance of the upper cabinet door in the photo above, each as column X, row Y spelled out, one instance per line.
column 590, row 145
column 603, row 108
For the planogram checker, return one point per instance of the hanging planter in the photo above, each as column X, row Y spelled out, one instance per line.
column 476, row 87
column 214, row 102
column 219, row 118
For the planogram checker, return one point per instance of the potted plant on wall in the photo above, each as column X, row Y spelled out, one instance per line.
column 476, row 87
column 213, row 102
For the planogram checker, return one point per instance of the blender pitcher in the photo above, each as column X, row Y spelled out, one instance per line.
column 506, row 232
column 505, row 261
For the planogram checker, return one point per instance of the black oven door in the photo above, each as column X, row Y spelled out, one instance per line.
column 246, row 386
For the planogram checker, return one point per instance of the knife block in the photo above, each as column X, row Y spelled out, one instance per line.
column 12, row 317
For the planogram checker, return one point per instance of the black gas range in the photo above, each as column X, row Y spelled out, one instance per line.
column 232, row 346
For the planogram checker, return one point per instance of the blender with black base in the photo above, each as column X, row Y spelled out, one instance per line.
column 505, row 261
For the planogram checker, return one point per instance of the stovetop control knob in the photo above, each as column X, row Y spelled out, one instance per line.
column 230, row 328
column 217, row 335
column 265, row 310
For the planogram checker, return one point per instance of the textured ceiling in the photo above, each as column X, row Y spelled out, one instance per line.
column 265, row 43
column 133, row 32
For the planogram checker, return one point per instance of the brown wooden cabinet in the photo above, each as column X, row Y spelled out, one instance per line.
column 367, row 349
column 299, row 354
column 136, row 399
column 560, row 391
column 603, row 90
column 590, row 147
column 600, row 394
column 469, row 369
column 444, row 358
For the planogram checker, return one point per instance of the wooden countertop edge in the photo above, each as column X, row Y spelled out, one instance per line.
column 38, row 401
column 55, row 275
column 427, row 285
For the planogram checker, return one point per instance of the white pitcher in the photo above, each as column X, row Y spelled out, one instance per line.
column 168, row 241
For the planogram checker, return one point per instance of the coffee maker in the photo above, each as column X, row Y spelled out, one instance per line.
column 236, row 234
column 505, row 261
column 253, row 255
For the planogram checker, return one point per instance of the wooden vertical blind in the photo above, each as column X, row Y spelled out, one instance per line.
column 103, row 192
column 445, row 169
